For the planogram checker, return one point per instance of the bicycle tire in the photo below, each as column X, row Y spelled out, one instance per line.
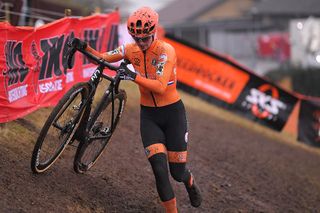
column 90, row 150
column 49, row 145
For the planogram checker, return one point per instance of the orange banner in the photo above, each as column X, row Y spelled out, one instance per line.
column 207, row 74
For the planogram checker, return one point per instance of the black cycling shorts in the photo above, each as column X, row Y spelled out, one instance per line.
column 165, row 125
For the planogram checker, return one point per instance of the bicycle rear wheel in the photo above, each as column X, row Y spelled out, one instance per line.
column 100, row 131
column 59, row 128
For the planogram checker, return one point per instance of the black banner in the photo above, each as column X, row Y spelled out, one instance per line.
column 265, row 103
column 309, row 123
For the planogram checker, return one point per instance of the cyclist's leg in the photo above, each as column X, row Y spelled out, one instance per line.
column 177, row 139
column 153, row 141
column 177, row 142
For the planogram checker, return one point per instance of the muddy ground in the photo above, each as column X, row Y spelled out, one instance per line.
column 238, row 169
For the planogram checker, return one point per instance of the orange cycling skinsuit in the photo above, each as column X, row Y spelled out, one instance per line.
column 163, row 123
column 156, row 69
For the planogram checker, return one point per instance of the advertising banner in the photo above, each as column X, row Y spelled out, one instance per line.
column 309, row 122
column 33, row 68
column 207, row 73
column 265, row 103
column 232, row 84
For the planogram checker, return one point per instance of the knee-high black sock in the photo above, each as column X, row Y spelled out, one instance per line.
column 160, row 171
column 180, row 173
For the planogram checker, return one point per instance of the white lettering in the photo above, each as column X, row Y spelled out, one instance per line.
column 266, row 102
column 95, row 75
column 69, row 77
column 51, row 86
column 17, row 93
column 122, row 107
column 88, row 72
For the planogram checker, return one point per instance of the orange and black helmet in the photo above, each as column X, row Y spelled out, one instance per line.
column 143, row 22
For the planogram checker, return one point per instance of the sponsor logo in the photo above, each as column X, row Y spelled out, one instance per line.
column 160, row 66
column 211, row 76
column 52, row 65
column 114, row 52
column 122, row 108
column 163, row 58
column 186, row 137
column 95, row 75
column 17, row 93
column 38, row 157
column 154, row 62
column 181, row 157
column 16, row 72
column 51, row 86
column 262, row 105
column 206, row 73
column 55, row 49
column 136, row 61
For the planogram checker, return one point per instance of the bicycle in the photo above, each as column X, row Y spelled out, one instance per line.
column 72, row 119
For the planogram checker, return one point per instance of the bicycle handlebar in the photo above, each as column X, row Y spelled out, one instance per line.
column 73, row 48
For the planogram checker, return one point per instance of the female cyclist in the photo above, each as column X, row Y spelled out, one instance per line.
column 163, row 123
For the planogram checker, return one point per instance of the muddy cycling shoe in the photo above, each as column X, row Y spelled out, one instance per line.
column 194, row 194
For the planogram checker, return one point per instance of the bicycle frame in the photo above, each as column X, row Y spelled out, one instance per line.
column 83, row 129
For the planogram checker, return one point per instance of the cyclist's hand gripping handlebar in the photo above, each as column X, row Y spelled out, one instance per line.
column 78, row 45
column 125, row 72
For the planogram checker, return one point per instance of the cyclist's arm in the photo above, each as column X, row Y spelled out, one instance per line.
column 111, row 56
column 165, row 68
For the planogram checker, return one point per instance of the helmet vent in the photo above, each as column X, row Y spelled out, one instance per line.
column 151, row 28
column 139, row 24
column 143, row 22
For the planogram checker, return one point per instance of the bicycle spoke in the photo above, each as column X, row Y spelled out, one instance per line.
column 59, row 128
column 100, row 132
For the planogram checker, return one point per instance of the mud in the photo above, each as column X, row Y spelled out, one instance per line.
column 237, row 169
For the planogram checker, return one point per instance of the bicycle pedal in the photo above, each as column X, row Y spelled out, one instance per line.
column 105, row 131
column 96, row 128
column 75, row 107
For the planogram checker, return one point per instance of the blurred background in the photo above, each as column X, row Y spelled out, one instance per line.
column 277, row 39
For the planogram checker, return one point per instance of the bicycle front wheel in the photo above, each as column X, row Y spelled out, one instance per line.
column 100, row 131
column 59, row 128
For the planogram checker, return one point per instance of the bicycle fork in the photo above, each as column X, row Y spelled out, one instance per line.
column 82, row 132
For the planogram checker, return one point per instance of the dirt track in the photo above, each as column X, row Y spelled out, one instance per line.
column 238, row 170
